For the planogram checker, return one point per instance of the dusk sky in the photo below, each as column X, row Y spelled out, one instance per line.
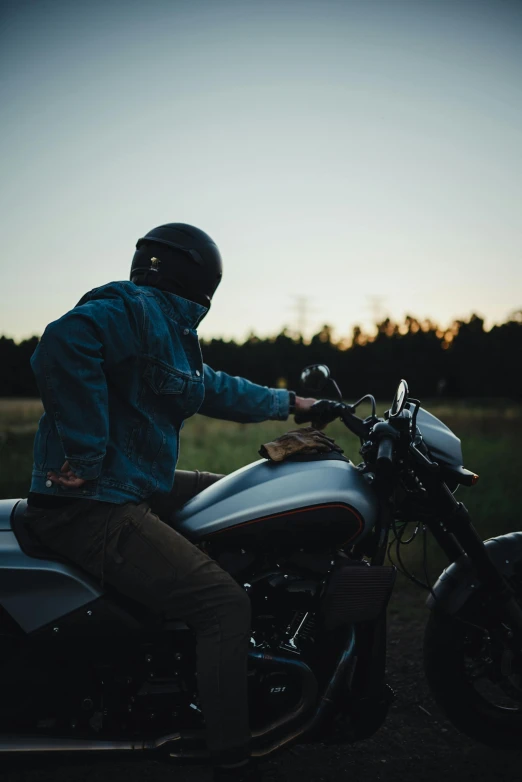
column 336, row 150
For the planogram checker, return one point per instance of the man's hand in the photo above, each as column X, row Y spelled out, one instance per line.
column 321, row 412
column 66, row 478
column 303, row 404
column 302, row 408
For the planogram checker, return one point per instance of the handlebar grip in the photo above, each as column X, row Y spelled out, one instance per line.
column 385, row 452
column 320, row 413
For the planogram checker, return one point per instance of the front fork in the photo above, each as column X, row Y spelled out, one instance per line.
column 455, row 533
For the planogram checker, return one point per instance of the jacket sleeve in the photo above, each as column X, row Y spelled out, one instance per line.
column 69, row 365
column 237, row 399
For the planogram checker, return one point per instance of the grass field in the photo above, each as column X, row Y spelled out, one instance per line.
column 491, row 439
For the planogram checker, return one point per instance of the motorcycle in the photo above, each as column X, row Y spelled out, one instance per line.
column 85, row 670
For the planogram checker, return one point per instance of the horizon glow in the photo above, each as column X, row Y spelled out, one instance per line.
column 337, row 151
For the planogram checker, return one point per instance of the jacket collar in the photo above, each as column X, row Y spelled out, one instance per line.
column 179, row 309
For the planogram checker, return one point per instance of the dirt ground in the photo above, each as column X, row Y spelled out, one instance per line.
column 415, row 744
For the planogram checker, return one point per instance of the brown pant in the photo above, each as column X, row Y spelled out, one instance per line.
column 148, row 561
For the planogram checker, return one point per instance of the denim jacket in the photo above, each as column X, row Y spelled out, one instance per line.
column 118, row 375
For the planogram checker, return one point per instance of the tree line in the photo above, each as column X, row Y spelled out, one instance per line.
column 461, row 361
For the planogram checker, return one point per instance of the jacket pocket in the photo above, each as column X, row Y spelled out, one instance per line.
column 163, row 380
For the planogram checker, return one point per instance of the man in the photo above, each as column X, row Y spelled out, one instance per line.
column 118, row 375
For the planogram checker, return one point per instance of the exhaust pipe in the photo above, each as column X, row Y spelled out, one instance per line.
column 291, row 725
column 345, row 667
column 294, row 719
column 28, row 744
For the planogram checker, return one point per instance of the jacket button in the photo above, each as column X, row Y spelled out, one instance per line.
column 198, row 373
column 185, row 332
column 48, row 484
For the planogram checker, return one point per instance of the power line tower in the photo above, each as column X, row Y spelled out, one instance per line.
column 304, row 309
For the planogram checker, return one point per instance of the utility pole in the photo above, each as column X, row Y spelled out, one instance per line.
column 303, row 308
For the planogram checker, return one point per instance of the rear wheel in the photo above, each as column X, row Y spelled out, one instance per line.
column 476, row 678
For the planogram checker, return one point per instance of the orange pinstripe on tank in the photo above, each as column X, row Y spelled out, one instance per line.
column 300, row 510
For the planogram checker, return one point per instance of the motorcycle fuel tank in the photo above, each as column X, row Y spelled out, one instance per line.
column 324, row 501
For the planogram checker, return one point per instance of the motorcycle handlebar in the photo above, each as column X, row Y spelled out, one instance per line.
column 322, row 412
column 325, row 411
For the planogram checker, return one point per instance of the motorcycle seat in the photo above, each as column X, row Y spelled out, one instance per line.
column 29, row 545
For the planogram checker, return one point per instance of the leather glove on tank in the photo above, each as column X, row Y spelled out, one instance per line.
column 306, row 441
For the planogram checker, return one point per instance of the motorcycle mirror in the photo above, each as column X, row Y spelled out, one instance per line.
column 314, row 378
column 399, row 400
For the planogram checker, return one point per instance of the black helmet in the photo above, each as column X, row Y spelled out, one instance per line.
column 179, row 258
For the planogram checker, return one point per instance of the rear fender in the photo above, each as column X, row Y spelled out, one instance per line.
column 36, row 591
column 459, row 581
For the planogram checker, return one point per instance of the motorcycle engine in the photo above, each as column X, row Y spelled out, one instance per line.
column 283, row 610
